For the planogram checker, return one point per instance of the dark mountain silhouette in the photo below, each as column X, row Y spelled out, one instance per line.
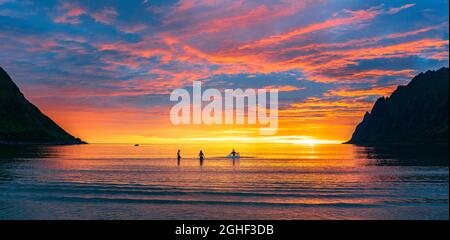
column 22, row 123
column 415, row 113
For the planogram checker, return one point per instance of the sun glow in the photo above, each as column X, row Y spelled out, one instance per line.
column 303, row 140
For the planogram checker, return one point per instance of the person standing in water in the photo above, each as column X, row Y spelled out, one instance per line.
column 201, row 155
column 179, row 155
column 233, row 153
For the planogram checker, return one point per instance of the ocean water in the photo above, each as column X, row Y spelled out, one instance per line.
column 270, row 181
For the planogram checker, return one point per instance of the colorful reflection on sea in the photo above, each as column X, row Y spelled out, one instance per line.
column 280, row 181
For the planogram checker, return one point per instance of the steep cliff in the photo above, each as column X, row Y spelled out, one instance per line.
column 415, row 113
column 23, row 123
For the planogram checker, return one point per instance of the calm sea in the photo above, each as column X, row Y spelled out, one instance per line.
column 270, row 181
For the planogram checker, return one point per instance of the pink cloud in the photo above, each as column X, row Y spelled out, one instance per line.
column 415, row 32
column 354, row 18
column 73, row 11
column 398, row 9
column 106, row 16
column 132, row 28
column 71, row 16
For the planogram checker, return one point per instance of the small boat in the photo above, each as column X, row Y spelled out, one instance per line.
column 237, row 155
column 136, row 145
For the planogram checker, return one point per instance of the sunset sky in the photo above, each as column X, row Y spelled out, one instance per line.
column 103, row 70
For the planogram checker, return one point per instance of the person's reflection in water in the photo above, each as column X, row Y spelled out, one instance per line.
column 236, row 163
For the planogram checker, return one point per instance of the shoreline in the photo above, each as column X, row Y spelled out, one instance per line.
column 368, row 144
column 4, row 143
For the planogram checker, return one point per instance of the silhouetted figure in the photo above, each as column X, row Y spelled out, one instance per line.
column 233, row 153
column 201, row 155
column 178, row 157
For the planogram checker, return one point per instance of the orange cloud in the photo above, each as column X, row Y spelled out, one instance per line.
column 375, row 91
column 284, row 88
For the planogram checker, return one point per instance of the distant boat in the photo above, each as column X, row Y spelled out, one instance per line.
column 136, row 145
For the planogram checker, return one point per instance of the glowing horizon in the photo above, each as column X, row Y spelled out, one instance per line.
column 300, row 140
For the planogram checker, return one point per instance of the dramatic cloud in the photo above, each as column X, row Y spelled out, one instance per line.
column 115, row 62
